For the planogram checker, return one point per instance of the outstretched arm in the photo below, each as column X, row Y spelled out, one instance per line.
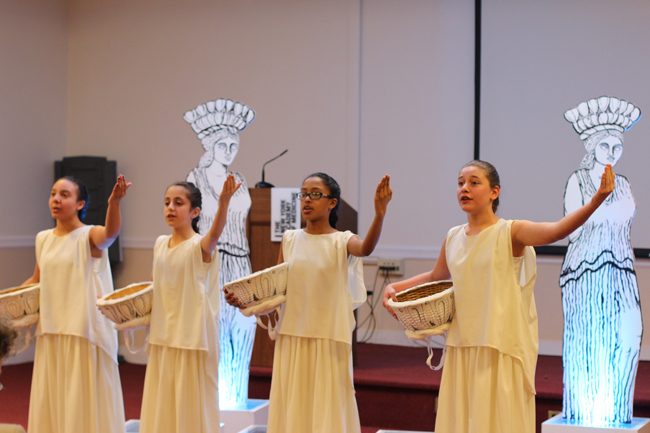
column 209, row 241
column 102, row 237
column 525, row 233
column 383, row 194
column 439, row 272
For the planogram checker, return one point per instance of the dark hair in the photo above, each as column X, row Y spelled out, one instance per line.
column 334, row 192
column 492, row 176
column 8, row 335
column 194, row 196
column 82, row 194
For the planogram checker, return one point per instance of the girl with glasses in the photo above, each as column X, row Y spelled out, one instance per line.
column 312, row 388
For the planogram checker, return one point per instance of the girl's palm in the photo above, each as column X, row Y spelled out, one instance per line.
column 120, row 188
column 229, row 187
column 383, row 195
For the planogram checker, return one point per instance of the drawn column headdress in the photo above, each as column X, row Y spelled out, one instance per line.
column 220, row 114
column 599, row 114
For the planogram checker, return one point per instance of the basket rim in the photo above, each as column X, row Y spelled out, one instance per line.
column 419, row 301
column 101, row 302
column 23, row 289
column 245, row 279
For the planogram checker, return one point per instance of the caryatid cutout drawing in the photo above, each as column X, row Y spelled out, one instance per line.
column 600, row 296
column 217, row 125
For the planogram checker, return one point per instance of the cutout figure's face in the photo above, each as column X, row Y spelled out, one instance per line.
column 63, row 200
column 225, row 145
column 608, row 150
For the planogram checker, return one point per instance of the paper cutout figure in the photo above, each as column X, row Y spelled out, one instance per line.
column 217, row 125
column 600, row 296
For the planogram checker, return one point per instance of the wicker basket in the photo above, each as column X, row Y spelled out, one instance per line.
column 131, row 302
column 17, row 302
column 425, row 306
column 260, row 286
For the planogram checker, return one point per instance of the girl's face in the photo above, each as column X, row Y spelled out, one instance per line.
column 178, row 209
column 313, row 209
column 474, row 192
column 609, row 150
column 63, row 200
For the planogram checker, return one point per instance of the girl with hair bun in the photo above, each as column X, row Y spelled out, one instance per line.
column 180, row 386
column 488, row 382
column 76, row 382
column 312, row 388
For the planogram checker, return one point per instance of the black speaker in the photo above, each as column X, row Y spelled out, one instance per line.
column 100, row 176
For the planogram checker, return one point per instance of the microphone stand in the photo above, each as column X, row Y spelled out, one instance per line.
column 264, row 184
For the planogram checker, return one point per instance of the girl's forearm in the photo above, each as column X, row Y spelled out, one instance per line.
column 103, row 237
column 113, row 223
column 574, row 220
column 212, row 237
column 412, row 282
column 372, row 238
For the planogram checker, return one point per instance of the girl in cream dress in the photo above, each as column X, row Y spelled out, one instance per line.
column 488, row 382
column 76, row 382
column 312, row 389
column 181, row 383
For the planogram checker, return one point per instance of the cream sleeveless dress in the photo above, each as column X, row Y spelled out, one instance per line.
column 488, row 381
column 76, row 382
column 312, row 389
column 180, row 386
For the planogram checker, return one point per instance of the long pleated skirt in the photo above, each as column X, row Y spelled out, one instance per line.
column 75, row 388
column 312, row 389
column 484, row 391
column 180, row 392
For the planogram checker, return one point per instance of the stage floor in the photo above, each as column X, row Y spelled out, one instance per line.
column 395, row 389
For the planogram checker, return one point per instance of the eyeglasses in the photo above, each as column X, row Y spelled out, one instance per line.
column 312, row 195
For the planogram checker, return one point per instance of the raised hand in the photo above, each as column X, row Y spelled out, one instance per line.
column 119, row 190
column 383, row 195
column 229, row 188
column 607, row 181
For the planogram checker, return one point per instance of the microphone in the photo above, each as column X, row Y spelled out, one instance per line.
column 263, row 184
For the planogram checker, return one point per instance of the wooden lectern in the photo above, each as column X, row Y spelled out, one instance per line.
column 264, row 254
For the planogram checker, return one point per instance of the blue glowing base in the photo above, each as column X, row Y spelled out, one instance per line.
column 240, row 417
column 558, row 424
column 255, row 429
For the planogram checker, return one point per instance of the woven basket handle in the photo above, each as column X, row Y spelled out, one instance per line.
column 430, row 350
column 273, row 330
column 28, row 337
column 129, row 340
column 26, row 322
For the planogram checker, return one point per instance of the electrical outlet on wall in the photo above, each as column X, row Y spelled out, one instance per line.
column 393, row 266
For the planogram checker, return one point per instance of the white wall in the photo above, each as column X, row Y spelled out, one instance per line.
column 355, row 88
column 417, row 102
column 136, row 67
column 33, row 73
column 542, row 58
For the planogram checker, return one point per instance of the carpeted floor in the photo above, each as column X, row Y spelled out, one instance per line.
column 395, row 389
